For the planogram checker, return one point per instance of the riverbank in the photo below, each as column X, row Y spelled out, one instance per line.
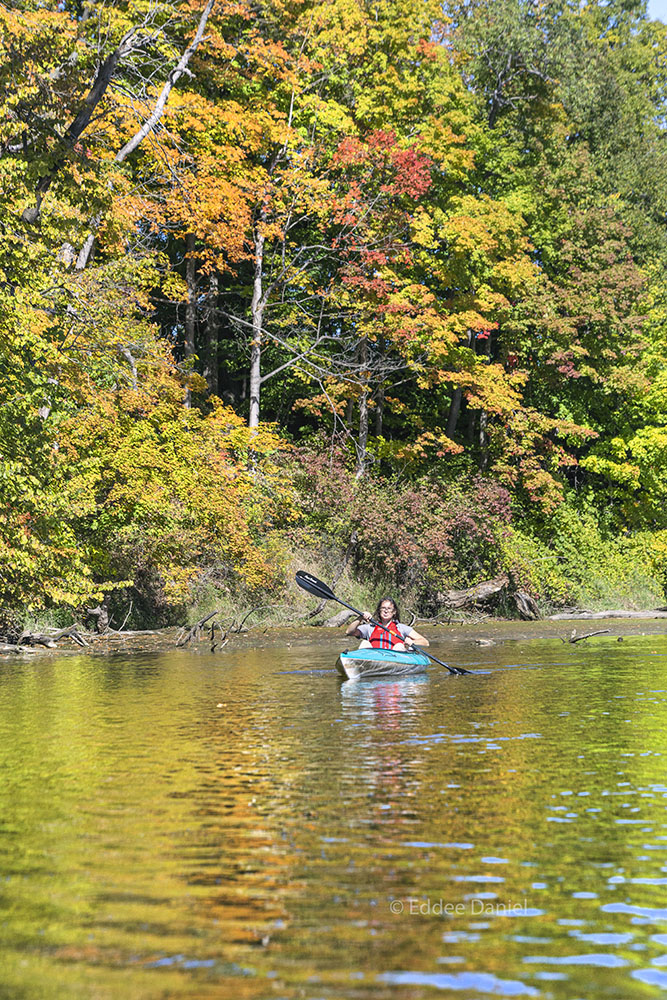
column 451, row 636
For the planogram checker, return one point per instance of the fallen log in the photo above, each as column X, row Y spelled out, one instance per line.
column 478, row 594
column 50, row 639
column 339, row 619
column 599, row 615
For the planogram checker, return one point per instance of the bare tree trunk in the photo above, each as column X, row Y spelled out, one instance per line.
column 257, row 309
column 174, row 75
column 470, row 425
column 129, row 357
column 191, row 306
column 363, row 411
column 212, row 335
column 379, row 409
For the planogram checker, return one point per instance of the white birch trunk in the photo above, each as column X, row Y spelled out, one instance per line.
column 257, row 309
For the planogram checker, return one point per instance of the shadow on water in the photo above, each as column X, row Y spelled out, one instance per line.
column 181, row 825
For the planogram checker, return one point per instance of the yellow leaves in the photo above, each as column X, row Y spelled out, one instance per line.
column 446, row 148
column 427, row 446
column 174, row 287
column 488, row 386
column 190, row 490
column 423, row 229
column 624, row 473
column 196, row 383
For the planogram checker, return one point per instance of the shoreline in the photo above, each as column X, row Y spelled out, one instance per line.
column 489, row 632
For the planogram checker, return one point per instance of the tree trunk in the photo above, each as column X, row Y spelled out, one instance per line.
column 363, row 411
column 257, row 310
column 191, row 306
column 454, row 410
column 379, row 409
column 483, row 440
column 526, row 605
column 474, row 595
column 212, row 335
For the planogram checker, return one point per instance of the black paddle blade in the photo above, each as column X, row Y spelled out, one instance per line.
column 314, row 586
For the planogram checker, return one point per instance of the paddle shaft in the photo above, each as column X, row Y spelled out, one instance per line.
column 319, row 589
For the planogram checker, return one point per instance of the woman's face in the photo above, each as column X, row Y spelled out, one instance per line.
column 387, row 610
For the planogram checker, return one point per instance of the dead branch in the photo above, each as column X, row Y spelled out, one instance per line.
column 578, row 638
column 105, row 73
column 174, row 75
column 187, row 635
column 261, row 607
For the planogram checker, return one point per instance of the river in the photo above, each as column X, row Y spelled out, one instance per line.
column 244, row 824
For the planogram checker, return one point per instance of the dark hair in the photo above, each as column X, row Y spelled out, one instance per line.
column 396, row 615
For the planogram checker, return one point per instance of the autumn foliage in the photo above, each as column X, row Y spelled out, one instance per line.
column 276, row 280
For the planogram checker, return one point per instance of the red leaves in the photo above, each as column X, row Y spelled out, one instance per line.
column 399, row 171
column 350, row 152
column 412, row 173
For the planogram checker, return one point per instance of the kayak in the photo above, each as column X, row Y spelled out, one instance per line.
column 356, row 664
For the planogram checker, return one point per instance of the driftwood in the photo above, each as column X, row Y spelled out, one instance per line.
column 49, row 639
column 339, row 619
column 25, row 642
column 474, row 595
column 598, row 615
column 526, row 605
column 223, row 637
column 587, row 635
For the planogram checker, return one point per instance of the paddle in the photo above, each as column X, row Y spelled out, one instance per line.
column 319, row 589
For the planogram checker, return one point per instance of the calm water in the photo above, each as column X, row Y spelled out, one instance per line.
column 245, row 825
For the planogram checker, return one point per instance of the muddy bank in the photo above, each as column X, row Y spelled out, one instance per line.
column 491, row 631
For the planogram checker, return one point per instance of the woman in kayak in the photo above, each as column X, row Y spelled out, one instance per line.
column 394, row 635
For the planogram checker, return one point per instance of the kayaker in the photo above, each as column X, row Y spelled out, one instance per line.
column 372, row 637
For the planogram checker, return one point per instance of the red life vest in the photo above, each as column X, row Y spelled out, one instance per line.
column 381, row 639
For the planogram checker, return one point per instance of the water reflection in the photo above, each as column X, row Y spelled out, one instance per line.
column 175, row 825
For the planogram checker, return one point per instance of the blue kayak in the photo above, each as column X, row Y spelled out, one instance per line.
column 358, row 663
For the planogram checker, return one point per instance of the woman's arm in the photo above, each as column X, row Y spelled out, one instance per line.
column 353, row 629
column 416, row 638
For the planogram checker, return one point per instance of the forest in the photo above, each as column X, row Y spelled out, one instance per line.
column 363, row 286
